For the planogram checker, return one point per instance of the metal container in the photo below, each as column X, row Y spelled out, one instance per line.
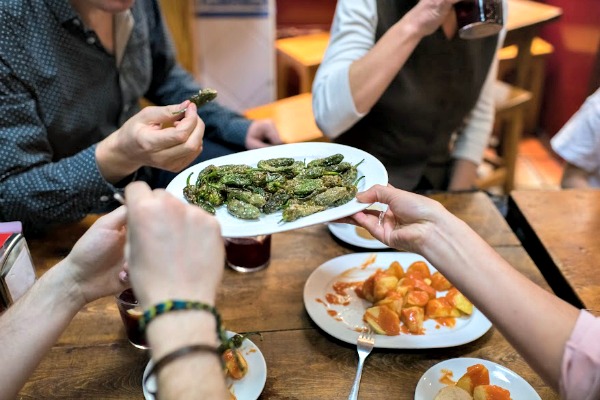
column 17, row 273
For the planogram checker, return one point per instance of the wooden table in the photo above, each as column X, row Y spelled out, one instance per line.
column 559, row 230
column 93, row 359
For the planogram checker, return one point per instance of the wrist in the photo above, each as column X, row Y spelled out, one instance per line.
column 113, row 165
column 181, row 328
column 66, row 290
column 153, row 296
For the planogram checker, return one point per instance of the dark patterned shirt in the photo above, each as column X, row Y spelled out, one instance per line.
column 61, row 93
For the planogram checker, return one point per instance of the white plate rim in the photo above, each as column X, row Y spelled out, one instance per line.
column 465, row 331
column 347, row 234
column 371, row 168
column 248, row 388
column 429, row 384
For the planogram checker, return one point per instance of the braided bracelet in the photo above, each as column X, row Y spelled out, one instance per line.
column 178, row 305
column 174, row 355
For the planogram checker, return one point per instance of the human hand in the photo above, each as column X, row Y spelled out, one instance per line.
column 428, row 15
column 154, row 137
column 408, row 221
column 94, row 264
column 174, row 250
column 262, row 133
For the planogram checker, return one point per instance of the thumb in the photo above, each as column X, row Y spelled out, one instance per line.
column 170, row 113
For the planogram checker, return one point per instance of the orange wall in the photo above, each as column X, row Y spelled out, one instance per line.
column 576, row 40
column 305, row 13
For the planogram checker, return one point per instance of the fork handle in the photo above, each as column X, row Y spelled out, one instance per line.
column 354, row 391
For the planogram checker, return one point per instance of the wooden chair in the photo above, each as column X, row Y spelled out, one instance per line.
column 511, row 104
column 302, row 54
column 540, row 51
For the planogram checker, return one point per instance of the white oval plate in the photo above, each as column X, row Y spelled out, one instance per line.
column 371, row 168
column 429, row 384
column 348, row 268
column 247, row 388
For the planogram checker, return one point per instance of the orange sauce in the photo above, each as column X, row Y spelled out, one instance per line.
column 479, row 375
column 332, row 313
column 446, row 377
column 494, row 392
column 336, row 299
column 369, row 261
column 341, row 288
column 450, row 322
column 363, row 233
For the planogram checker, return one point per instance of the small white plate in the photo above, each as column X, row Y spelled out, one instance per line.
column 347, row 320
column 348, row 233
column 429, row 384
column 371, row 168
column 247, row 388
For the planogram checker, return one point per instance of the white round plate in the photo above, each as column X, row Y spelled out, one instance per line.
column 347, row 320
column 371, row 168
column 247, row 388
column 429, row 384
column 347, row 233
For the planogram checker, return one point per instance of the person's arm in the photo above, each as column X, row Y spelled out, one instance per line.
column 474, row 138
column 144, row 141
column 574, row 177
column 537, row 323
column 177, row 254
column 578, row 143
column 35, row 188
column 90, row 271
column 346, row 87
column 464, row 174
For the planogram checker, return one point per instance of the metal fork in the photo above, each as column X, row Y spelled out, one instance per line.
column 364, row 345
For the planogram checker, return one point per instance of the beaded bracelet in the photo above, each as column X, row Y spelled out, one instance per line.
column 177, row 305
column 174, row 355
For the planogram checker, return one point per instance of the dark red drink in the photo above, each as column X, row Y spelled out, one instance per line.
column 248, row 254
column 478, row 18
column 131, row 313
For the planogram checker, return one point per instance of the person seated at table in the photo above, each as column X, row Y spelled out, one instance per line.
column 72, row 73
column 398, row 82
column 578, row 143
column 559, row 341
column 165, row 261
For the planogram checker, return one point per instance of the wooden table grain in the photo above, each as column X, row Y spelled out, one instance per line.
column 559, row 230
column 93, row 359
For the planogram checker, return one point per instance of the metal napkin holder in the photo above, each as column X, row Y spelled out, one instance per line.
column 17, row 272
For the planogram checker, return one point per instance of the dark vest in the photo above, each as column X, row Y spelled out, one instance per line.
column 412, row 123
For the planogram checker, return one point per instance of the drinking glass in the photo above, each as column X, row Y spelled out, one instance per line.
column 248, row 254
column 131, row 312
column 478, row 18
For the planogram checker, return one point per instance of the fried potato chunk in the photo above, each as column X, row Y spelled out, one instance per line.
column 383, row 320
column 458, row 300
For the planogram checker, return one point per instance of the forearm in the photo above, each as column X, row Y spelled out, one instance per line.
column 197, row 375
column 574, row 178
column 537, row 323
column 52, row 192
column 387, row 57
column 464, row 174
column 32, row 325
